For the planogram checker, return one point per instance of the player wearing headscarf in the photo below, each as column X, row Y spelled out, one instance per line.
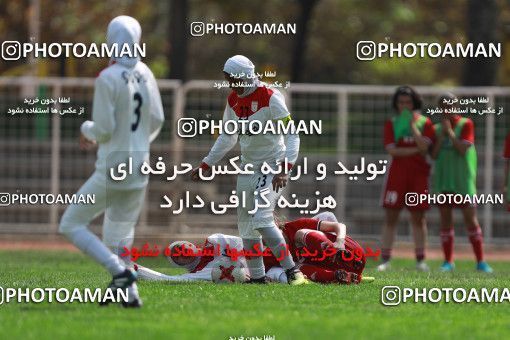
column 127, row 115
column 253, row 101
column 408, row 137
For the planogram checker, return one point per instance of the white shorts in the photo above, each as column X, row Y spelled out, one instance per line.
column 263, row 218
column 121, row 207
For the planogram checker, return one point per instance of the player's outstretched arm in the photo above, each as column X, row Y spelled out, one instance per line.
column 292, row 143
column 281, row 115
column 102, row 125
column 156, row 110
column 461, row 145
column 152, row 275
column 338, row 228
column 223, row 144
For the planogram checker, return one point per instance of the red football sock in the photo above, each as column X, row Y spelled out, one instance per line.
column 386, row 254
column 447, row 237
column 318, row 274
column 420, row 254
column 476, row 239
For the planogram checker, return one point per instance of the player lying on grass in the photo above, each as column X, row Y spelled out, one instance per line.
column 316, row 234
column 127, row 116
column 321, row 236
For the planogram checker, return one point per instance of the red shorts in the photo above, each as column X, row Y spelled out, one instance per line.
column 402, row 188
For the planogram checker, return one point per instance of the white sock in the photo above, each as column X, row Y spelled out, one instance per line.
column 91, row 245
column 132, row 292
column 119, row 250
column 256, row 263
column 273, row 238
column 277, row 274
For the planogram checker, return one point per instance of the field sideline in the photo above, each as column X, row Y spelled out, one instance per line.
column 208, row 311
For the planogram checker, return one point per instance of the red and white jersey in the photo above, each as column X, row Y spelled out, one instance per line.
column 263, row 105
column 127, row 115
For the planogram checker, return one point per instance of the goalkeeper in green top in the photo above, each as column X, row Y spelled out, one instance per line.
column 455, row 173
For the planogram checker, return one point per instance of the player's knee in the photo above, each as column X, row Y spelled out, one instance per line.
column 263, row 222
column 67, row 225
column 118, row 239
column 249, row 242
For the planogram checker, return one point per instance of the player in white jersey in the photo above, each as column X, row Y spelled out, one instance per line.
column 127, row 116
column 256, row 102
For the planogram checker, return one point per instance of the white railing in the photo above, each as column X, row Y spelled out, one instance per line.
column 341, row 105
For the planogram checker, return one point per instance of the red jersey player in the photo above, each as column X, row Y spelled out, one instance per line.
column 318, row 235
column 407, row 138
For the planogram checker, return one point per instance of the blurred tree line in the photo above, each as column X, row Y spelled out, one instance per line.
column 322, row 51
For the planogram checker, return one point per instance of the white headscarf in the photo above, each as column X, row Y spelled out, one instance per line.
column 238, row 65
column 124, row 30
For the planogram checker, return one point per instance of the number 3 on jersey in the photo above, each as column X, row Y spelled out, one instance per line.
column 138, row 98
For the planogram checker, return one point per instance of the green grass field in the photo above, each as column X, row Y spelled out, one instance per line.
column 208, row 311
